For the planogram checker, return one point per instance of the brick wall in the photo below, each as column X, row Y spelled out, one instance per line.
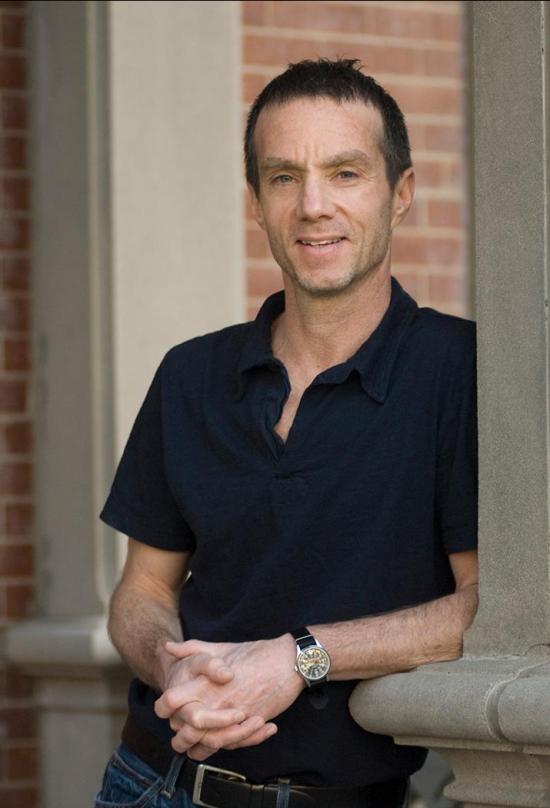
column 415, row 50
column 18, row 754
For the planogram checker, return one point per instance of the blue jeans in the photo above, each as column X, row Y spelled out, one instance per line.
column 130, row 783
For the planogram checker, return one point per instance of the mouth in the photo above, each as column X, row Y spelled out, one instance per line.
column 320, row 243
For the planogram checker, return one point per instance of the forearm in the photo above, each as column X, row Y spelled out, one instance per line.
column 140, row 624
column 399, row 641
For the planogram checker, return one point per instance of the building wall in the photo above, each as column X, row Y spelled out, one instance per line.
column 18, row 767
column 415, row 50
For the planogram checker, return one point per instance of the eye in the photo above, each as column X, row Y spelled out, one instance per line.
column 282, row 179
column 347, row 174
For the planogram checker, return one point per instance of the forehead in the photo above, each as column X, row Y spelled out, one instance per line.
column 317, row 125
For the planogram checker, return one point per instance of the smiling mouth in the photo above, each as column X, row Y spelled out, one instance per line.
column 319, row 242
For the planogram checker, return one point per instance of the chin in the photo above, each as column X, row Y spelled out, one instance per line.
column 327, row 287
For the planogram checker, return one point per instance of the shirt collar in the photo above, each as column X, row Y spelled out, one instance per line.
column 373, row 361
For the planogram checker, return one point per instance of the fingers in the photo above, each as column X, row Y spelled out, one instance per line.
column 215, row 739
column 204, row 718
column 212, row 667
column 186, row 738
column 265, row 732
column 181, row 703
column 188, row 648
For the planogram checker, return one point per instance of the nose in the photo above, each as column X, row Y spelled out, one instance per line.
column 315, row 200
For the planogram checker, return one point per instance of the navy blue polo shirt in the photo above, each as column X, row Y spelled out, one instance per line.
column 354, row 515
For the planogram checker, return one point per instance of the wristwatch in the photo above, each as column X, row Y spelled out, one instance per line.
column 312, row 660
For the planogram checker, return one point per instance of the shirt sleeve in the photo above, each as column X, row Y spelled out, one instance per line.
column 457, row 475
column 141, row 503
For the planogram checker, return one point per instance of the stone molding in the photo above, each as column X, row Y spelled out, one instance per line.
column 488, row 716
column 80, row 643
column 486, row 700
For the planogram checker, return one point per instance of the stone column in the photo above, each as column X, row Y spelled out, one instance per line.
column 488, row 713
column 136, row 246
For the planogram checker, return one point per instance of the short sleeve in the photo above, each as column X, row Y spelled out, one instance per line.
column 457, row 478
column 141, row 503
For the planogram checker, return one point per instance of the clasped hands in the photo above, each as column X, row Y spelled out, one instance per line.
column 223, row 695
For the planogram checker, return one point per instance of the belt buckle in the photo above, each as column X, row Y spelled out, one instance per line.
column 202, row 769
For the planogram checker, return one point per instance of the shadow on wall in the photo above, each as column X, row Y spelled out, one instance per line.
column 428, row 784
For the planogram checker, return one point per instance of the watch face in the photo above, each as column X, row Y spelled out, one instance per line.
column 313, row 663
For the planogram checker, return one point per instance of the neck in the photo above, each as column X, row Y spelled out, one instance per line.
column 315, row 333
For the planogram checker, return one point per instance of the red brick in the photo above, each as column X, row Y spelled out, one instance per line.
column 17, row 354
column 12, row 72
column 444, row 213
column 13, row 112
column 318, row 16
column 256, row 12
column 19, row 519
column 17, row 723
column 15, row 478
column 16, row 685
column 16, row 559
column 15, row 272
column 382, row 58
column 257, row 245
column 413, row 24
column 424, row 251
column 434, row 137
column 14, row 313
column 425, row 99
column 13, row 395
column 14, row 193
column 438, row 174
column 22, row 763
column 413, row 283
column 263, row 282
column 19, row 599
column 270, row 50
column 443, row 63
column 448, row 288
column 14, row 233
column 252, row 85
column 13, row 30
column 444, row 138
column 13, row 152
column 253, row 308
column 416, row 214
column 15, row 437
column 24, row 797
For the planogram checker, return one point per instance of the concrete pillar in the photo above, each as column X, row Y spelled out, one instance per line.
column 487, row 714
column 136, row 246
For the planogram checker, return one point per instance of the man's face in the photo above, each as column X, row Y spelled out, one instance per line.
column 324, row 200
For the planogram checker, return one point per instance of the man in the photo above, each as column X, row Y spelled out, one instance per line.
column 314, row 471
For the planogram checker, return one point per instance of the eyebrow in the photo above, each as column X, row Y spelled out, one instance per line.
column 351, row 156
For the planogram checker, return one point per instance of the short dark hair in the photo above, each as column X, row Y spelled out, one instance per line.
column 342, row 80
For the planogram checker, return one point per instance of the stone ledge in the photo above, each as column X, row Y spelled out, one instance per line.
column 77, row 643
column 491, row 703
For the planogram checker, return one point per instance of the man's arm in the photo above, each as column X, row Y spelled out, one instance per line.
column 360, row 649
column 143, row 610
column 399, row 641
column 144, row 617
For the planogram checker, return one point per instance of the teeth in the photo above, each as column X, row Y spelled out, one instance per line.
column 321, row 243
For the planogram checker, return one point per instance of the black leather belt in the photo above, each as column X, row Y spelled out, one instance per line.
column 218, row 788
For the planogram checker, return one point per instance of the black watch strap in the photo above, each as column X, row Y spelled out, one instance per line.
column 303, row 637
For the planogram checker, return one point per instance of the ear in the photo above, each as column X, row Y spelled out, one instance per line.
column 256, row 206
column 403, row 195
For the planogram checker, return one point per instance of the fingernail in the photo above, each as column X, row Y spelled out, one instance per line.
column 240, row 717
